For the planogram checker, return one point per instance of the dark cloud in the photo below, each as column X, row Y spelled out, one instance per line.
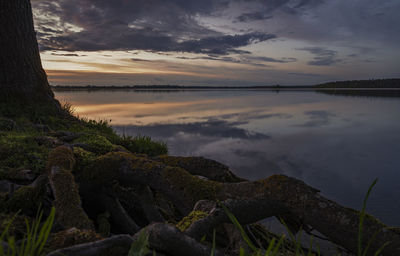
column 252, row 16
column 243, row 59
column 67, row 54
column 268, row 59
column 137, row 59
column 304, row 74
column 221, row 45
column 353, row 55
column 155, row 25
column 308, row 3
column 323, row 57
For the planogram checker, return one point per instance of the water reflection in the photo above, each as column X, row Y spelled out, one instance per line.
column 336, row 144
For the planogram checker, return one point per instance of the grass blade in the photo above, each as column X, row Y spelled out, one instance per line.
column 213, row 243
column 240, row 228
column 362, row 218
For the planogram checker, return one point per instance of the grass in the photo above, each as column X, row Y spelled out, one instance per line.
column 143, row 145
column 361, row 251
column 140, row 247
column 33, row 242
column 24, row 146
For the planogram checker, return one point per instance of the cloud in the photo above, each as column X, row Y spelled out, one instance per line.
column 245, row 58
column 268, row 59
column 68, row 54
column 156, row 25
column 221, row 45
column 304, row 74
column 323, row 57
column 252, row 16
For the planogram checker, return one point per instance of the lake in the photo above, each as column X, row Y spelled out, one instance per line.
column 338, row 144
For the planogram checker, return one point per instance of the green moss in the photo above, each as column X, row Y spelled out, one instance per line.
column 21, row 151
column 97, row 143
column 188, row 220
column 27, row 199
column 62, row 157
column 83, row 159
column 103, row 225
column 69, row 212
column 191, row 186
column 143, row 145
column 105, row 169
column 71, row 237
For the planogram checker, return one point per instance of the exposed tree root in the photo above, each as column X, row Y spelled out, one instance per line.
column 299, row 205
column 113, row 246
column 168, row 239
column 277, row 195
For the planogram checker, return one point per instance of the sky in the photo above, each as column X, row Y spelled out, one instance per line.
column 217, row 42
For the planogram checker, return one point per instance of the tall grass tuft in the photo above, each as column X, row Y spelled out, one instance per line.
column 143, row 145
column 33, row 242
column 272, row 250
column 361, row 251
column 140, row 247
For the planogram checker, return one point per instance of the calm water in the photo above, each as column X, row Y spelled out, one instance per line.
column 337, row 144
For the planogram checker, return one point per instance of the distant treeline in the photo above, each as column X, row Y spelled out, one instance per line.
column 354, row 84
column 171, row 87
column 373, row 84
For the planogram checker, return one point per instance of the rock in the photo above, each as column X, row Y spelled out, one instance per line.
column 19, row 176
column 83, row 146
column 205, row 205
column 25, row 175
column 7, row 124
column 41, row 127
column 119, row 148
column 66, row 136
column 48, row 141
column 6, row 186
column 113, row 246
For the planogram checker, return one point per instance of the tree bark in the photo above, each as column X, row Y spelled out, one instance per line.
column 21, row 73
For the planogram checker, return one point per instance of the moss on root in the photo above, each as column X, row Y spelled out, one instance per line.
column 201, row 166
column 105, row 169
column 69, row 212
column 96, row 143
column 71, row 237
column 188, row 220
column 62, row 157
column 192, row 187
column 26, row 199
column 83, row 158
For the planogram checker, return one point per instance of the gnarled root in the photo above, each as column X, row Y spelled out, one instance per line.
column 113, row 246
column 168, row 239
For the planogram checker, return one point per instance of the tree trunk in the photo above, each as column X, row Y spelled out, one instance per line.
column 21, row 74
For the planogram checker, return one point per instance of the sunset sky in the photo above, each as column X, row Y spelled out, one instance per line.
column 217, row 42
